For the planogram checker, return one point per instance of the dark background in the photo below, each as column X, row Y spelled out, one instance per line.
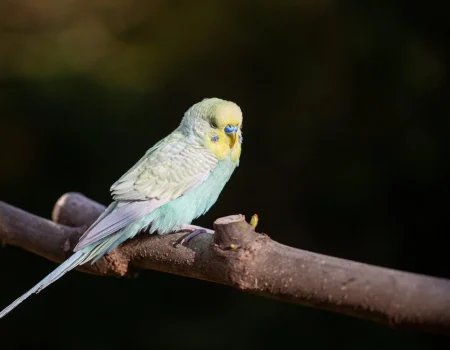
column 346, row 152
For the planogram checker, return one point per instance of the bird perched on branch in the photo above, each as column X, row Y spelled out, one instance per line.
column 176, row 181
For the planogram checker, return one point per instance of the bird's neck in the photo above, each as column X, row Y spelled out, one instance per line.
column 222, row 149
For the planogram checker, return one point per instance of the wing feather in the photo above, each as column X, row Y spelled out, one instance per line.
column 166, row 172
column 120, row 217
column 173, row 167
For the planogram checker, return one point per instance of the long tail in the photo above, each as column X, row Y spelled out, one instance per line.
column 92, row 253
column 76, row 259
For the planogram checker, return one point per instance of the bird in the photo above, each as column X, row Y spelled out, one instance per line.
column 175, row 182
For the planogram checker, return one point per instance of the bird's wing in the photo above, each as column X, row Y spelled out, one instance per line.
column 167, row 171
column 117, row 216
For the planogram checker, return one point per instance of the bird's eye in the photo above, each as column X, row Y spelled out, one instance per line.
column 213, row 124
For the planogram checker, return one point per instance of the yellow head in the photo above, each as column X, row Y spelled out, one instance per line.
column 218, row 123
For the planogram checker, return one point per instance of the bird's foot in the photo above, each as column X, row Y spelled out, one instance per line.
column 194, row 232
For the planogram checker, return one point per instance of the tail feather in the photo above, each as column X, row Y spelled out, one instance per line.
column 108, row 245
column 75, row 260
column 104, row 247
column 92, row 253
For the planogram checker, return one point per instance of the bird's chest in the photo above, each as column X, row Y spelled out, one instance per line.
column 199, row 200
column 193, row 204
column 206, row 194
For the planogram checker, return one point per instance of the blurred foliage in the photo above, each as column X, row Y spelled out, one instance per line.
column 346, row 152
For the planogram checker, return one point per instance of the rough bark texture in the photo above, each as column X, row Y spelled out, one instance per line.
column 236, row 255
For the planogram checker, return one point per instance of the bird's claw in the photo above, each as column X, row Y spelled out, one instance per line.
column 195, row 231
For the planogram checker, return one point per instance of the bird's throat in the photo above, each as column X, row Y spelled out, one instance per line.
column 225, row 146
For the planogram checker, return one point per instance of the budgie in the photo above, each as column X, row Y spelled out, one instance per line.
column 176, row 181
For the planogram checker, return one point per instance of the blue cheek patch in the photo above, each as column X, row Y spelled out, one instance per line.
column 241, row 138
column 215, row 138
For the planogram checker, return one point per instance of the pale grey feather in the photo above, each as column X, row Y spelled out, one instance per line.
column 120, row 217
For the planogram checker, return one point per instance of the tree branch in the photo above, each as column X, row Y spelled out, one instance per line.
column 238, row 256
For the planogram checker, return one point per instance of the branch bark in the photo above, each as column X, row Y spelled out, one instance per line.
column 238, row 256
